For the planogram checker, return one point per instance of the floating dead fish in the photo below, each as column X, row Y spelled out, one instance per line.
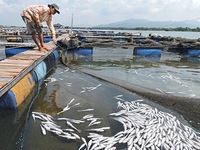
column 94, row 123
column 118, row 97
column 69, row 84
column 71, row 120
column 71, row 101
column 68, row 123
column 87, row 116
column 64, row 109
column 67, row 107
column 99, row 129
column 43, row 130
column 69, row 130
column 144, row 127
column 85, row 110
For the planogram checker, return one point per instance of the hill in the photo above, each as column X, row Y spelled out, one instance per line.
column 133, row 23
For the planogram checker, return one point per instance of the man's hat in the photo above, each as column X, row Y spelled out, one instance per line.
column 55, row 7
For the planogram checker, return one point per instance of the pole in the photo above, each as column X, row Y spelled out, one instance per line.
column 71, row 24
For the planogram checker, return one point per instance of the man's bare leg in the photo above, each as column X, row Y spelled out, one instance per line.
column 37, row 43
column 42, row 41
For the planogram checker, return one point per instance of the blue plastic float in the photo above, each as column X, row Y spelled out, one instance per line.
column 194, row 52
column 17, row 94
column 10, row 51
column 85, row 51
column 47, row 39
column 147, row 51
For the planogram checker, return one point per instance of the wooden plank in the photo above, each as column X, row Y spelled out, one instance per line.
column 12, row 61
column 26, row 68
column 11, row 67
column 8, row 75
column 25, row 57
column 14, row 65
column 34, row 52
column 17, row 44
column 11, row 70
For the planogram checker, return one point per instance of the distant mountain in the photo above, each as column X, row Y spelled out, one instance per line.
column 133, row 23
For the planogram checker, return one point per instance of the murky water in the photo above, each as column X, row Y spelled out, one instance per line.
column 169, row 74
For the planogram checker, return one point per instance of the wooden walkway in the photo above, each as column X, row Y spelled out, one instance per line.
column 16, row 67
column 17, row 44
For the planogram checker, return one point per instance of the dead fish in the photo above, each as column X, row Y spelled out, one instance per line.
column 71, row 120
column 94, row 123
column 68, row 137
column 85, row 110
column 38, row 117
column 83, row 145
column 87, row 116
column 99, row 129
column 94, row 87
column 71, row 101
column 82, row 90
column 64, row 109
column 69, row 84
column 43, row 130
column 75, row 105
column 68, row 123
column 69, row 130
column 118, row 97
column 76, row 135
column 84, row 141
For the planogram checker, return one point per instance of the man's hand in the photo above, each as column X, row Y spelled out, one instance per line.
column 54, row 41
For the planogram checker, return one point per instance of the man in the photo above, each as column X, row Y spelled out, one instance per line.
column 33, row 17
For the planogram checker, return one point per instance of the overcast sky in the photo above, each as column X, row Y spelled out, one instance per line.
column 95, row 12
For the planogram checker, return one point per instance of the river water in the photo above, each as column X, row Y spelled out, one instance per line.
column 97, row 82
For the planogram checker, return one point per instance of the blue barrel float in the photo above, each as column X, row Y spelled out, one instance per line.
column 83, row 53
column 15, row 39
column 147, row 51
column 19, row 92
column 47, row 39
column 194, row 52
column 191, row 52
column 10, row 51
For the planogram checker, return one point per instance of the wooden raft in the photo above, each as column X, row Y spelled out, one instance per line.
column 14, row 68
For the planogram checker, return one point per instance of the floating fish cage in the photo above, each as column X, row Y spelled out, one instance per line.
column 10, row 51
column 147, row 51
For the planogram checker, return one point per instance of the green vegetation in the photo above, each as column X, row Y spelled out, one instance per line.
column 144, row 28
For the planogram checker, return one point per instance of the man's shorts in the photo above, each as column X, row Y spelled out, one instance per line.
column 31, row 26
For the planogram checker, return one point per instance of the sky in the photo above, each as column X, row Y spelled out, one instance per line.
column 96, row 12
